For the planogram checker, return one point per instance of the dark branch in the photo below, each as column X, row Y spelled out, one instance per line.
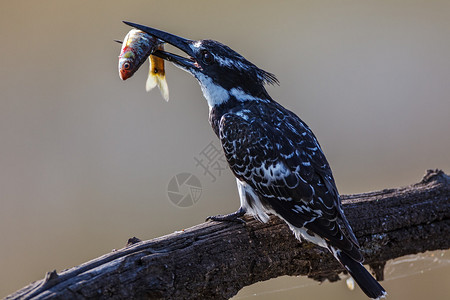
column 215, row 260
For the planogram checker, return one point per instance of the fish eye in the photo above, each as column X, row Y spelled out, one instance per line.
column 127, row 66
column 207, row 57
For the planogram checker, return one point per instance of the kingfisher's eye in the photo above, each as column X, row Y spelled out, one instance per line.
column 207, row 57
column 127, row 66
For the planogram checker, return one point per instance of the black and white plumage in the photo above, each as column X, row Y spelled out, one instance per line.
column 279, row 165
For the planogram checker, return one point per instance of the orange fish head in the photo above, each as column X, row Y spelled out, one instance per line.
column 125, row 70
column 127, row 65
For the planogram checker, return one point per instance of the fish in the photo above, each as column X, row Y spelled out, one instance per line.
column 157, row 75
column 137, row 47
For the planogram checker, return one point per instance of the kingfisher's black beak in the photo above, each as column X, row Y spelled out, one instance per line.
column 179, row 42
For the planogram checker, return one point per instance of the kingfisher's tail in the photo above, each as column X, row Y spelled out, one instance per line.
column 366, row 282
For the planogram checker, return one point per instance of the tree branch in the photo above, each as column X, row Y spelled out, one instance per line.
column 215, row 260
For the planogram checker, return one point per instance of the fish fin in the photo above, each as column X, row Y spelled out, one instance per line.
column 151, row 80
column 162, row 85
column 157, row 79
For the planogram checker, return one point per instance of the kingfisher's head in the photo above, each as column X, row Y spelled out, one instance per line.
column 222, row 72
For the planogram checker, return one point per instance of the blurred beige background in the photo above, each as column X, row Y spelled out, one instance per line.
column 85, row 159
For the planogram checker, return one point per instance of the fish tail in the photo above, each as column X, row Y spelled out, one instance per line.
column 162, row 85
column 157, row 79
column 151, row 80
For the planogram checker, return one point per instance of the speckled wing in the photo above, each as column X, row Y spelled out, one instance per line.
column 279, row 157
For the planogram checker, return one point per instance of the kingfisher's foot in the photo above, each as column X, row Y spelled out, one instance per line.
column 233, row 217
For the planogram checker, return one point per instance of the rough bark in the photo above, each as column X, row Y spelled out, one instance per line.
column 215, row 260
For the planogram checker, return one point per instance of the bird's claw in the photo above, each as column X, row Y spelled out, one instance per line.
column 233, row 217
column 225, row 218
